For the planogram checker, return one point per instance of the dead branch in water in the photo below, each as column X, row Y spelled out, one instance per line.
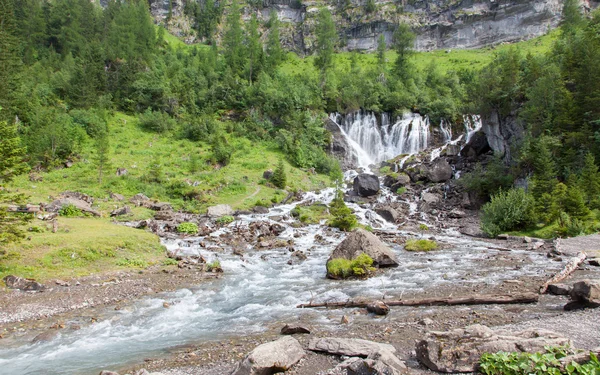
column 470, row 300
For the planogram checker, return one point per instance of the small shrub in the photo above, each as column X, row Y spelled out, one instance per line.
column 187, row 228
column 508, row 210
column 159, row 122
column 420, row 245
column 70, row 211
column 224, row 220
column 215, row 265
column 344, row 268
column 169, row 262
column 279, row 177
column 343, row 217
column 401, row 190
column 132, row 262
column 423, row 227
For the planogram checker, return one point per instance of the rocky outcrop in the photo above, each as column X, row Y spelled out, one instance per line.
column 360, row 241
column 502, row 132
column 339, row 146
column 349, row 347
column 16, row 282
column 366, row 185
column 220, row 210
column 477, row 145
column 459, row 350
column 439, row 171
column 272, row 357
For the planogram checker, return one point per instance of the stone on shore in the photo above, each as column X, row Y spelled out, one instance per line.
column 270, row 358
column 361, row 241
column 292, row 329
column 16, row 282
column 220, row 210
column 348, row 347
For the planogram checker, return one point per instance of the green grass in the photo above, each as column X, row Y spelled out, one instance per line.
column 344, row 268
column 183, row 162
column 420, row 245
column 81, row 246
column 313, row 214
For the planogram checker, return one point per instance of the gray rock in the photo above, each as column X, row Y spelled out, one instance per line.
column 260, row 210
column 586, row 291
column 388, row 213
column 339, row 146
column 559, row 289
column 45, row 336
column 378, row 308
column 594, row 262
column 105, row 372
column 477, row 145
column 459, row 350
column 117, row 197
column 121, row 211
column 267, row 174
column 360, row 241
column 220, row 210
column 139, row 199
column 380, row 363
column 430, row 198
column 82, row 205
column 292, row 329
column 456, row 214
column 349, row 347
column 272, row 357
column 366, row 185
column 16, row 282
column 160, row 206
column 122, row 172
column 439, row 171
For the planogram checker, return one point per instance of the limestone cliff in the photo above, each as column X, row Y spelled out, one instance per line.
column 440, row 24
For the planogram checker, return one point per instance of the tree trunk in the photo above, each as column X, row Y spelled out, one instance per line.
column 469, row 300
column 569, row 268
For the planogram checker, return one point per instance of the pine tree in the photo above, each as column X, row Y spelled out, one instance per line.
column 571, row 16
column 10, row 61
column 343, row 217
column 544, row 170
column 381, row 48
column 233, row 40
column 279, row 177
column 275, row 54
column 102, row 157
column 403, row 41
column 370, row 7
column 254, row 48
column 326, row 40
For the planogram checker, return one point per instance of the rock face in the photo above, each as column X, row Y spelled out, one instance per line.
column 366, row 185
column 459, row 350
column 477, row 145
column 272, row 357
column 360, row 241
column 502, row 132
column 220, row 210
column 339, row 147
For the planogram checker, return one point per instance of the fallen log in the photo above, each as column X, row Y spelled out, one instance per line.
column 571, row 266
column 579, row 358
column 470, row 300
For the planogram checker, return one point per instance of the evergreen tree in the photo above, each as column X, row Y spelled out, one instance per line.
column 589, row 181
column 370, row 7
column 254, row 48
column 233, row 40
column 32, row 28
column 10, row 61
column 343, row 217
column 279, row 177
column 102, row 157
column 403, row 41
column 574, row 203
column 544, row 170
column 571, row 16
column 275, row 53
column 326, row 40
column 381, row 48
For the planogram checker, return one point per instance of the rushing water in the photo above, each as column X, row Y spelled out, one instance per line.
column 261, row 288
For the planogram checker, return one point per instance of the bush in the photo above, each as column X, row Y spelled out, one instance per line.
column 156, row 121
column 187, row 228
column 343, row 217
column 224, row 220
column 420, row 245
column 215, row 265
column 221, row 150
column 508, row 210
column 571, row 227
column 535, row 363
column 344, row 268
column 70, row 211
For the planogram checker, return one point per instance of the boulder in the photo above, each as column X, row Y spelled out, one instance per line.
column 360, row 241
column 366, row 185
column 122, row 172
column 349, row 347
column 339, row 146
column 105, row 372
column 267, row 174
column 477, row 145
column 272, row 357
column 82, row 205
column 16, row 282
column 117, row 197
column 586, row 292
column 378, row 308
column 139, row 199
column 121, row 211
column 379, row 363
column 260, row 210
column 45, row 336
column 292, row 329
column 220, row 210
column 160, row 206
column 451, row 150
column 456, row 214
column 388, row 213
column 430, row 198
column 459, row 350
column 439, row 171
column 559, row 289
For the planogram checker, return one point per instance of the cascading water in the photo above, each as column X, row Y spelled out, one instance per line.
column 472, row 125
column 446, row 130
column 409, row 134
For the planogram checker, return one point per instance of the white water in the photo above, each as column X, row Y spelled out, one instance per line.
column 472, row 125
column 409, row 134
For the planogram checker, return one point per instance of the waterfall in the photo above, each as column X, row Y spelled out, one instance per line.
column 446, row 131
column 472, row 125
column 374, row 142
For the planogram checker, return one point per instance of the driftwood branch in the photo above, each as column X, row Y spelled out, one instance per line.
column 470, row 300
column 565, row 272
column 579, row 358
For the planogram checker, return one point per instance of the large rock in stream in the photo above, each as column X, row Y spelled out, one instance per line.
column 270, row 358
column 459, row 350
column 360, row 241
column 366, row 185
